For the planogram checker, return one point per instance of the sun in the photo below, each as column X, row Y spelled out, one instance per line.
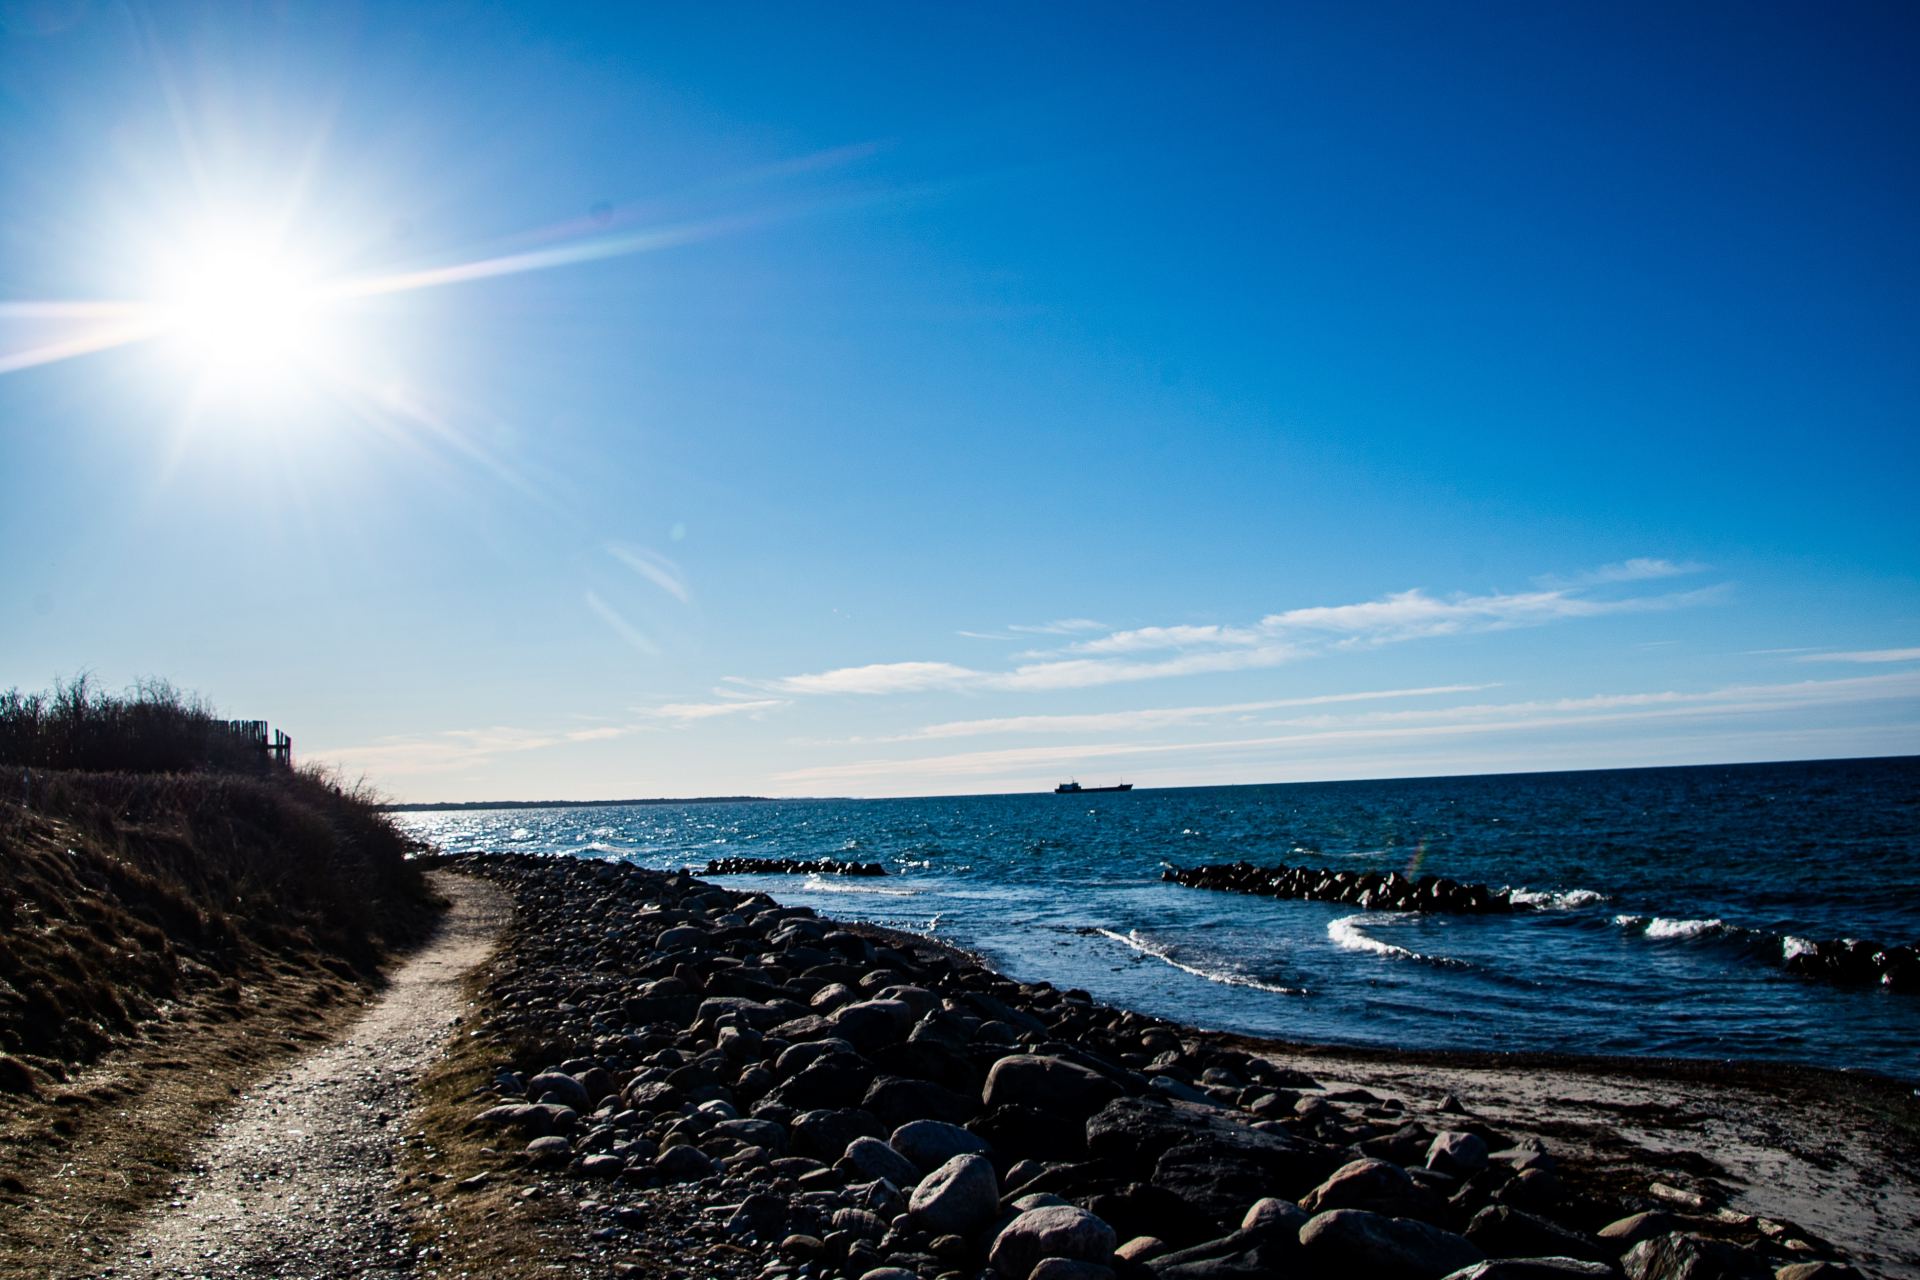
column 239, row 310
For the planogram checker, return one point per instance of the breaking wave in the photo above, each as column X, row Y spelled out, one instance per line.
column 1346, row 933
column 1555, row 899
column 1133, row 940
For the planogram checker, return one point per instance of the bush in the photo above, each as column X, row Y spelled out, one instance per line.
column 152, row 728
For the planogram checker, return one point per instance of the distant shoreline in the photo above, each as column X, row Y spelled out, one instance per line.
column 440, row 806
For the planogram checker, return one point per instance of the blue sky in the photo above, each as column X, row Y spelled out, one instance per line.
column 871, row 400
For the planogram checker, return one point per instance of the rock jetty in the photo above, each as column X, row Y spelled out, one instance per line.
column 1368, row 890
column 853, row 1103
column 789, row 866
column 1852, row 962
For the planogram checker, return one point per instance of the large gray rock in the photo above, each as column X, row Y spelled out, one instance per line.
column 870, row 1158
column 959, row 1198
column 868, row 1024
column 1055, row 1231
column 1684, row 1257
column 1353, row 1240
column 1069, row 1269
column 1275, row 1213
column 1048, row 1083
column 1626, row 1232
column 1505, row 1232
column 567, row 1091
column 683, row 1163
column 1256, row 1253
column 1373, row 1185
column 931, row 1143
column 826, row 1134
column 755, row 1133
column 1457, row 1154
column 1535, row 1269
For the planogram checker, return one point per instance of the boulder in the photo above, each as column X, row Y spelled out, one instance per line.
column 1505, row 1232
column 1048, row 1083
column 826, row 1134
column 959, row 1198
column 1626, row 1232
column 1373, row 1185
column 761, row 1215
column 1353, row 1240
column 931, row 1143
column 1535, row 1269
column 1069, row 1269
column 868, row 1024
column 897, row 1101
column 869, row 1158
column 1457, row 1154
column 1682, row 1257
column 1277, row 1213
column 683, row 1163
column 1256, row 1253
column 1054, row 1231
column 567, row 1091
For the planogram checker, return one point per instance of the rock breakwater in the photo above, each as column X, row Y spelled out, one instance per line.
column 790, row 866
column 849, row 1102
column 1368, row 890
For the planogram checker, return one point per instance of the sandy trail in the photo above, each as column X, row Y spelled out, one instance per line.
column 297, row 1180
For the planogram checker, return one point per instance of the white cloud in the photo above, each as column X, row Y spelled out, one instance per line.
column 1277, row 638
column 1375, row 730
column 1154, row 717
column 1060, row 627
column 1413, row 615
column 455, row 749
column 1864, row 655
column 690, row 711
column 879, row 677
column 1638, row 569
column 1149, row 639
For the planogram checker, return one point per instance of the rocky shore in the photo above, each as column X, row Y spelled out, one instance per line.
column 845, row 1102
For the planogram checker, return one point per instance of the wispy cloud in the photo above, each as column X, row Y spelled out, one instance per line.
column 1638, row 569
column 1414, row 615
column 1864, row 655
column 1058, row 627
column 455, row 749
column 1154, row 717
column 686, row 712
column 654, row 567
column 1119, row 656
column 1374, row 730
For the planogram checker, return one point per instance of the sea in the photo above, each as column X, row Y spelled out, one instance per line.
column 1667, row 899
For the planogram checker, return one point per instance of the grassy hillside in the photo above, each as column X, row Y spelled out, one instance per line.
column 148, row 860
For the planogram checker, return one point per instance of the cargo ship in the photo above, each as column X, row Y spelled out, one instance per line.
column 1075, row 789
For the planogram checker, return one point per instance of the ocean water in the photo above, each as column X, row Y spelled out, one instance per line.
column 1668, row 897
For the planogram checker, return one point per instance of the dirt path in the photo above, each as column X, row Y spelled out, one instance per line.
column 297, row 1180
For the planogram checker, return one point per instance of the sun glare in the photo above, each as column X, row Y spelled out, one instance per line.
column 242, row 312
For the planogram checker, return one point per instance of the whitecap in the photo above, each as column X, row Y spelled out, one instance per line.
column 1347, row 935
column 1555, row 899
column 1133, row 939
column 821, row 884
column 1663, row 927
